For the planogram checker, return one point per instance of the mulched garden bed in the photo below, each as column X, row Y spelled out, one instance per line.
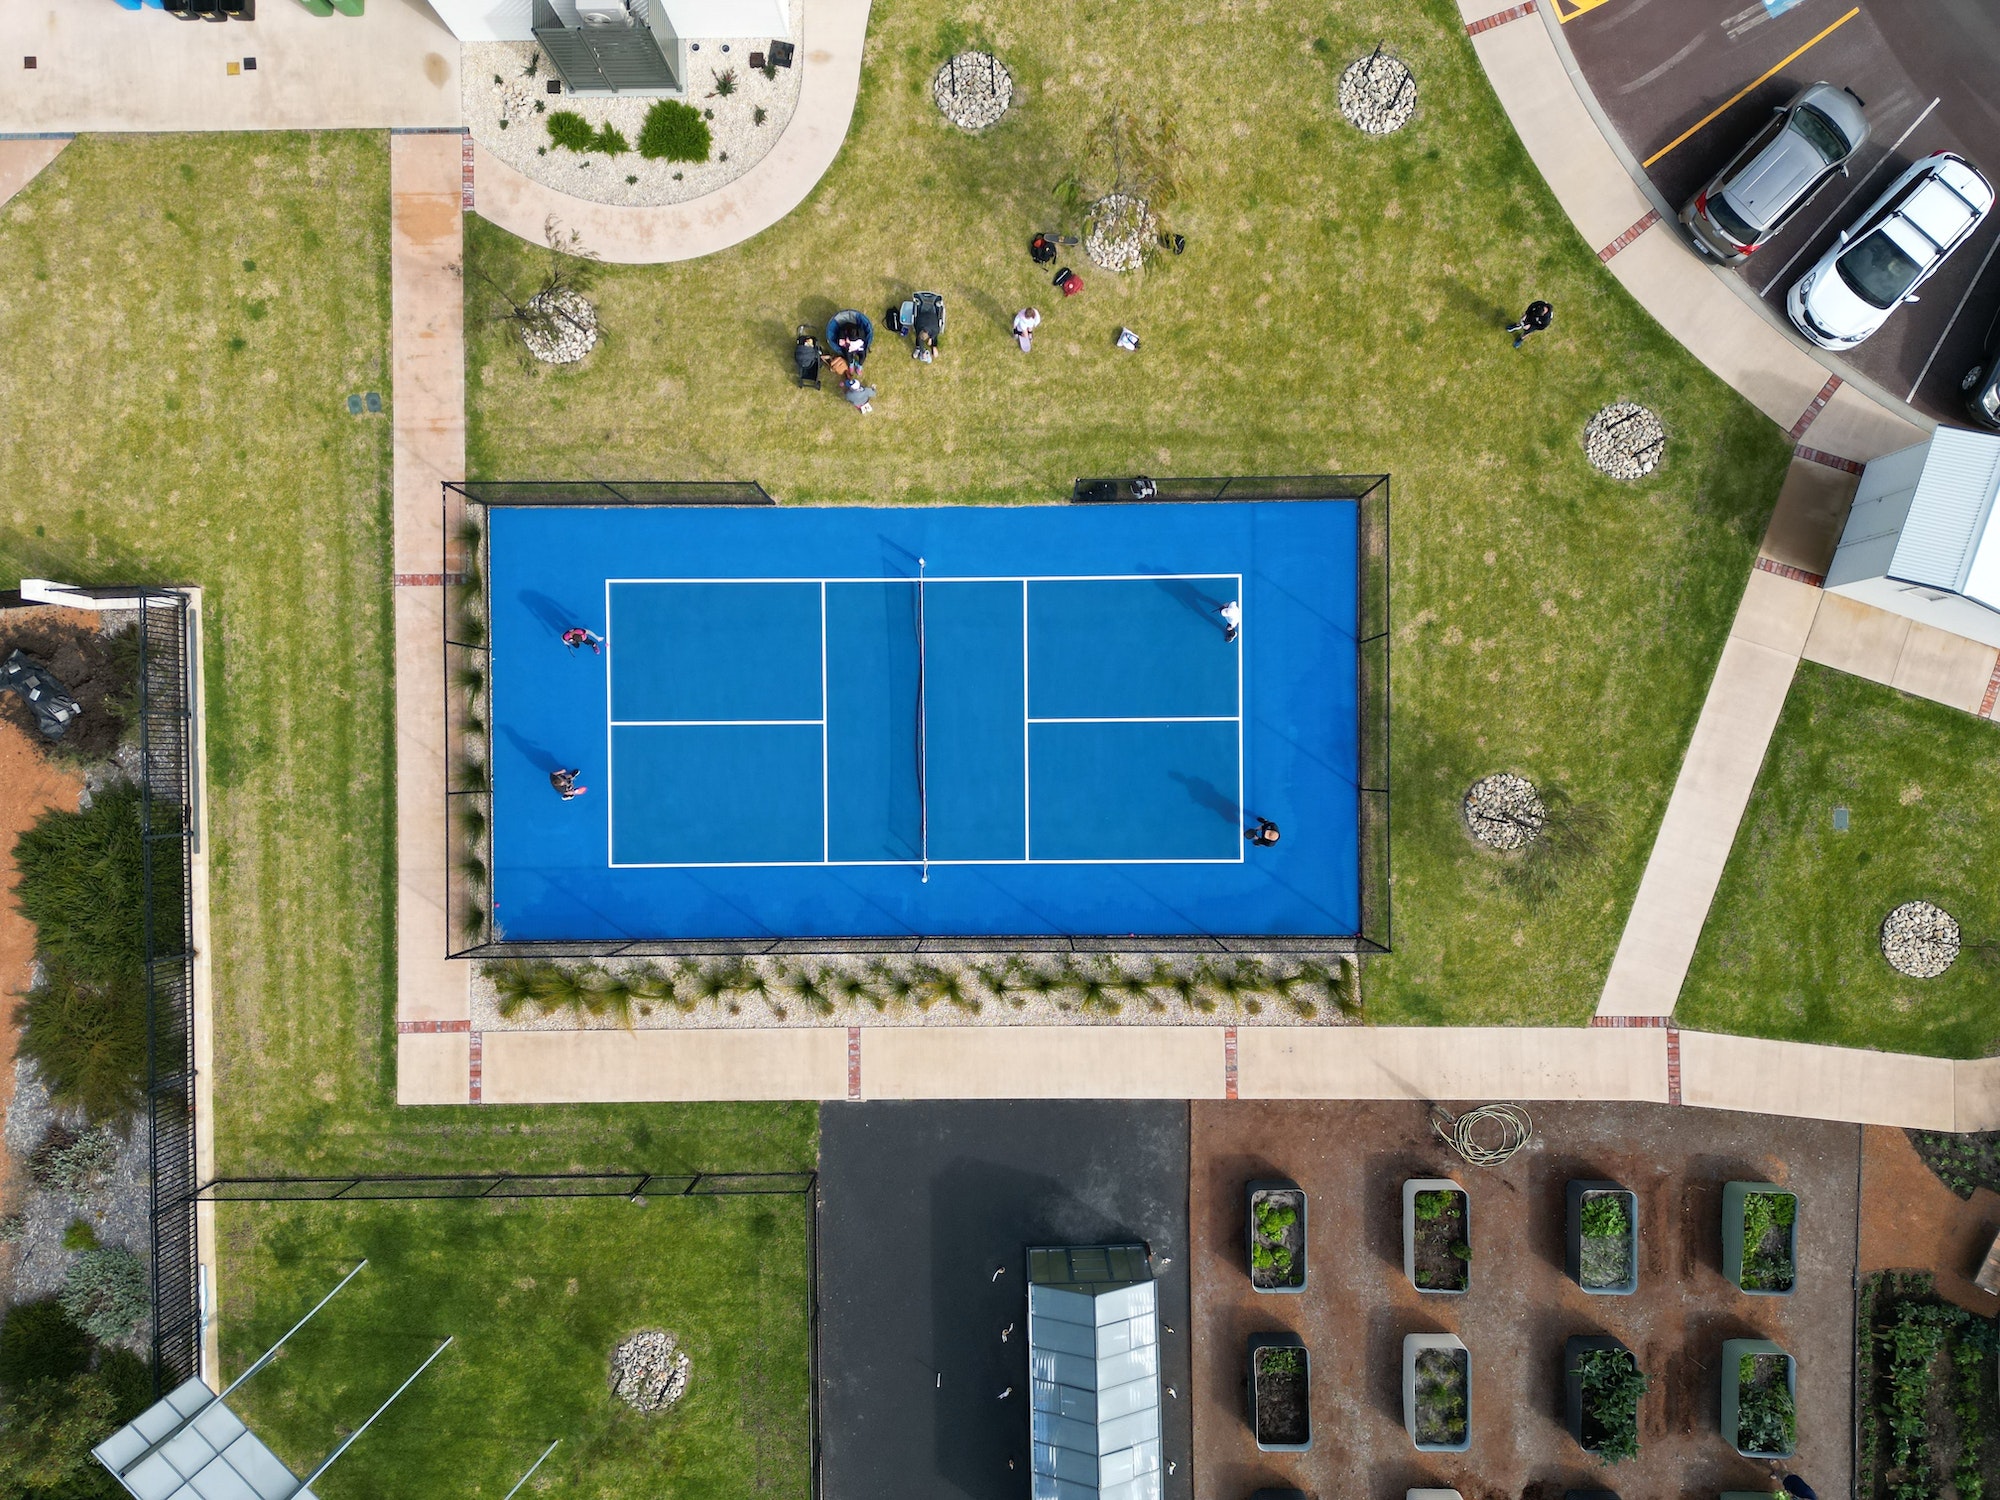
column 99, row 668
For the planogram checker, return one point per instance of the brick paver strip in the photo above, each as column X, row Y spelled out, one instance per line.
column 1992, row 693
column 1831, row 460
column 1786, row 570
column 475, row 1072
column 428, row 580
column 1673, row 1065
column 1229, row 1062
column 1501, row 18
column 1652, row 217
column 465, row 197
column 424, row 1028
column 1814, row 408
column 854, row 1062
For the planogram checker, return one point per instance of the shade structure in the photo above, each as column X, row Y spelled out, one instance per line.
column 190, row 1446
column 1094, row 1373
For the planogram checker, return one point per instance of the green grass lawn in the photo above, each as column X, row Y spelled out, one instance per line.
column 1791, row 947
column 536, row 1294
column 1339, row 309
column 181, row 321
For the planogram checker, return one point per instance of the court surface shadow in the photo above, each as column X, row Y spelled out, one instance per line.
column 922, row 1205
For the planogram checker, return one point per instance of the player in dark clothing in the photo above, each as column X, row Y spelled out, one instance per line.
column 1538, row 317
column 1264, row 834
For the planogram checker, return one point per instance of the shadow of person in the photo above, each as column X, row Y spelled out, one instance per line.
column 542, row 760
column 550, row 613
column 1208, row 795
column 1194, row 597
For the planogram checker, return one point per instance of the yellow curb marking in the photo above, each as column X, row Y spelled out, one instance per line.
column 1761, row 78
column 1575, row 8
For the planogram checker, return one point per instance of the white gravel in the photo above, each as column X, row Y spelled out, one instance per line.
column 737, row 137
column 1378, row 94
column 571, row 335
column 973, row 90
column 1920, row 940
column 1120, row 227
column 1625, row 440
column 649, row 1370
column 1504, row 811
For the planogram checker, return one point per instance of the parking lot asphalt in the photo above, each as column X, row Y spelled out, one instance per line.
column 921, row 1206
column 1685, row 82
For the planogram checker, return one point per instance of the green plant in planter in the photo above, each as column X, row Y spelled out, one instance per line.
column 571, row 131
column 1274, row 1218
column 1282, row 1361
column 1271, row 1258
column 674, row 132
column 1768, row 1216
column 1432, row 1205
column 1613, row 1384
column 1766, row 1419
column 1604, row 1217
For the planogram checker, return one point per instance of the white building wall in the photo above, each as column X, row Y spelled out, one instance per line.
column 1947, row 611
column 1881, row 505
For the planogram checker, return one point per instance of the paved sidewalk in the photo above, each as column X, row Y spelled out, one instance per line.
column 831, row 56
column 427, row 354
column 21, row 162
column 1693, row 301
column 100, row 67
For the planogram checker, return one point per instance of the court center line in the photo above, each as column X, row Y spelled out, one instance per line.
column 1763, row 77
column 911, row 864
column 1841, row 207
column 1242, row 850
column 1145, row 719
column 711, row 723
column 1027, row 806
column 610, row 822
column 825, row 803
column 1953, row 321
column 946, row 578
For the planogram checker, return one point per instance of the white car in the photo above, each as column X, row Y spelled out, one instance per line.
column 1880, row 261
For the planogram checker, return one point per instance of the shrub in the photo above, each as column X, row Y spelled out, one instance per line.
column 81, row 1235
column 106, row 1292
column 759, row 115
column 1612, row 1385
column 130, row 1381
column 674, row 132
column 725, row 83
column 611, row 141
column 1604, row 1217
column 571, row 130
column 46, row 1437
column 39, row 1341
column 88, row 1040
column 70, row 1162
column 82, row 883
column 1432, row 1204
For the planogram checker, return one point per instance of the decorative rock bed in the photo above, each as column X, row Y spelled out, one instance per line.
column 1120, row 227
column 973, row 90
column 1378, row 94
column 1504, row 811
column 1920, row 940
column 572, row 332
column 1625, row 440
column 649, row 1370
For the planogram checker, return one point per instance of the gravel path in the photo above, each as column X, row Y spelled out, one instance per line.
column 739, row 142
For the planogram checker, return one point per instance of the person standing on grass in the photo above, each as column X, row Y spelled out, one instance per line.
column 1537, row 318
column 1026, row 321
column 564, row 781
column 1264, row 834
column 576, row 638
column 1232, row 620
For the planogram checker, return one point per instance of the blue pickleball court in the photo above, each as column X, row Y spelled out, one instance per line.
column 924, row 721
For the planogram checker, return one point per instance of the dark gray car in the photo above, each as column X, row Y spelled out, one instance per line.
column 1982, row 384
column 1776, row 172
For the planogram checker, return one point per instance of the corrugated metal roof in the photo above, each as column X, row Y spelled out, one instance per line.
column 1094, row 1373
column 1944, row 536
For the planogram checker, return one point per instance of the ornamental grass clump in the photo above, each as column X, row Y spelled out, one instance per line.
column 571, row 131
column 674, row 132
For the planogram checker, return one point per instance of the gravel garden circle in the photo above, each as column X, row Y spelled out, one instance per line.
column 649, row 1370
column 1920, row 940
column 1625, row 440
column 973, row 90
column 1378, row 94
column 1120, row 227
column 1504, row 811
column 570, row 333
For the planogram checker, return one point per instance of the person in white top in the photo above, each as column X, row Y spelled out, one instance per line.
column 1026, row 321
column 1232, row 620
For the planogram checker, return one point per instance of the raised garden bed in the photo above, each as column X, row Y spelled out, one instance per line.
column 1602, row 1385
column 1437, row 1392
column 1437, row 1235
column 1759, row 1406
column 1927, row 1396
column 1275, row 1225
column 1760, row 1236
column 1280, row 1393
column 1603, row 1247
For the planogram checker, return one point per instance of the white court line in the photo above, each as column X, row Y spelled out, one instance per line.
column 1242, row 849
column 825, row 804
column 703, row 723
column 954, row 578
column 1027, row 803
column 1167, row 719
column 610, row 820
column 814, row 864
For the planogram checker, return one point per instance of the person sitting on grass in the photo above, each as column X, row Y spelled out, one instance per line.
column 860, row 397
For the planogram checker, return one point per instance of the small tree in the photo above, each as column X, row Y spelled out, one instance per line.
column 545, row 314
column 1129, row 174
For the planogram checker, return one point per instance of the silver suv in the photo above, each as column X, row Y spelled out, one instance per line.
column 1777, row 172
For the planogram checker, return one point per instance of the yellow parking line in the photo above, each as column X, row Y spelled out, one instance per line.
column 1761, row 78
column 1569, row 10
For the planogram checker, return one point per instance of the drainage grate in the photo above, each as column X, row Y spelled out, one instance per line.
column 1840, row 820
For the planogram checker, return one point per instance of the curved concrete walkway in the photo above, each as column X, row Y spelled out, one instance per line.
column 831, row 55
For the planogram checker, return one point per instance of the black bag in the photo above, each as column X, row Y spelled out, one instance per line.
column 1042, row 250
column 892, row 319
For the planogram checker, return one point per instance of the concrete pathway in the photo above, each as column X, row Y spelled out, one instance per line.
column 1642, row 1062
column 1701, row 306
column 427, row 357
column 834, row 32
column 21, row 161
column 100, row 67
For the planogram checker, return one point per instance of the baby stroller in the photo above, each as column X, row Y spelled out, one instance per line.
column 806, row 357
column 922, row 318
column 850, row 335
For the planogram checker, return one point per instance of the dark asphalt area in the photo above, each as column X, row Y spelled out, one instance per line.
column 920, row 1204
column 1926, row 72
